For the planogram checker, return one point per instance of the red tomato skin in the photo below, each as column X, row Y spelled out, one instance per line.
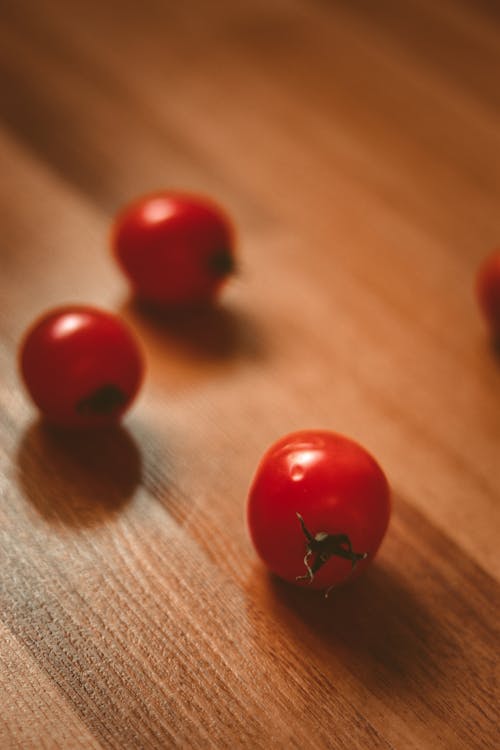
column 337, row 487
column 72, row 353
column 170, row 246
column 488, row 291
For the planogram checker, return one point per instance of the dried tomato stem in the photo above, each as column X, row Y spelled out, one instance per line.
column 222, row 263
column 324, row 546
column 105, row 400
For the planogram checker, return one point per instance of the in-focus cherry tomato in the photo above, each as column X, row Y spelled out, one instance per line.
column 175, row 248
column 488, row 292
column 82, row 366
column 318, row 508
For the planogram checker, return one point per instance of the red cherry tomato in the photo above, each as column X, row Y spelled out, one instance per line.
column 81, row 366
column 318, row 508
column 488, row 291
column 175, row 248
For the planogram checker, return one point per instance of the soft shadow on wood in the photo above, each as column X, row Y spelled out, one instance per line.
column 495, row 348
column 78, row 479
column 208, row 333
column 374, row 624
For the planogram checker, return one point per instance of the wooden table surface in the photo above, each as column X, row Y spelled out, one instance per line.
column 357, row 146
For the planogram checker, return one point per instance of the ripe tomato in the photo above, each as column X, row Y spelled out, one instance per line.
column 175, row 248
column 81, row 366
column 488, row 291
column 318, row 508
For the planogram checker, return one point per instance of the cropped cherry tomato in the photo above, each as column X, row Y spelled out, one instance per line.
column 175, row 248
column 318, row 508
column 488, row 291
column 81, row 366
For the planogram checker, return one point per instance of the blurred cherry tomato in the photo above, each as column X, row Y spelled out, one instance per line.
column 318, row 508
column 175, row 248
column 488, row 291
column 81, row 366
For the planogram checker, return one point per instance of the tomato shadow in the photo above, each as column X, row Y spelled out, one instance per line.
column 208, row 334
column 494, row 344
column 375, row 625
column 78, row 479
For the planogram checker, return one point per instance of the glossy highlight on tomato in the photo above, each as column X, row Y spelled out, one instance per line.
column 488, row 292
column 318, row 508
column 82, row 366
column 176, row 249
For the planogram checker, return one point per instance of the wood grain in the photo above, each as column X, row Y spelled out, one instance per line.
column 357, row 146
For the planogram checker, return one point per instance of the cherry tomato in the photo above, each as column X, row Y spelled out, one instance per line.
column 81, row 366
column 318, row 508
column 488, row 291
column 175, row 248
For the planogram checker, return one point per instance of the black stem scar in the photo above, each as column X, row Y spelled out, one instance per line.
column 222, row 263
column 323, row 546
column 104, row 400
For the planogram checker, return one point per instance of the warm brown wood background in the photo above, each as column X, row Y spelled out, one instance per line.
column 357, row 145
